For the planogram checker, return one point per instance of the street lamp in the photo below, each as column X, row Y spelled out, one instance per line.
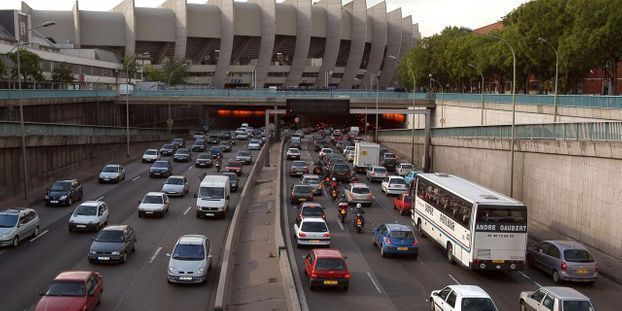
column 512, row 142
column 412, row 134
column 21, row 105
column 372, row 76
column 542, row 40
column 169, row 122
column 482, row 75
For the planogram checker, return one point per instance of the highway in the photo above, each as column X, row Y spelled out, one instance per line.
column 403, row 283
column 140, row 283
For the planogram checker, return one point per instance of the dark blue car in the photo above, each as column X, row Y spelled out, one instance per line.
column 395, row 239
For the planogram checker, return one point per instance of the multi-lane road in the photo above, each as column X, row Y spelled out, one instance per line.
column 403, row 283
column 140, row 283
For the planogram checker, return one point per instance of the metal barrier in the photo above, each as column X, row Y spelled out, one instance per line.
column 274, row 94
column 11, row 128
column 33, row 94
column 603, row 131
column 546, row 100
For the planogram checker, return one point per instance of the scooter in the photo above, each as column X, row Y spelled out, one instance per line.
column 359, row 223
column 217, row 167
column 333, row 194
column 342, row 211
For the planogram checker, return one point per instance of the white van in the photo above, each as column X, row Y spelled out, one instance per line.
column 213, row 196
column 354, row 130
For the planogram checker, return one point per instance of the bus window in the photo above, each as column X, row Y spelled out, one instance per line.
column 499, row 214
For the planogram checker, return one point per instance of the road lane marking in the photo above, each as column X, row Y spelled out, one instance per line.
column 340, row 225
column 155, row 254
column 453, row 278
column 136, row 178
column 529, row 278
column 190, row 167
column 38, row 236
column 100, row 198
column 375, row 282
column 187, row 210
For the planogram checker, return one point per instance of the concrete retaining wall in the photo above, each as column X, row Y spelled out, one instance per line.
column 573, row 187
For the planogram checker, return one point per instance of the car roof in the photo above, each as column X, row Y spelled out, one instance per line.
column 193, row 239
column 359, row 185
column 310, row 176
column 15, row 210
column 566, row 244
column 311, row 204
column 327, row 252
column 91, row 203
column 395, row 177
column 314, row 219
column 175, row 176
column 564, row 293
column 161, row 161
column 115, row 228
column 154, row 194
column 469, row 291
column 151, row 149
column 398, row 227
column 300, row 162
column 378, row 167
column 67, row 180
column 73, row 276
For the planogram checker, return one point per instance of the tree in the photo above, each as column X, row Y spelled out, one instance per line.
column 177, row 68
column 62, row 73
column 153, row 73
column 30, row 65
column 130, row 66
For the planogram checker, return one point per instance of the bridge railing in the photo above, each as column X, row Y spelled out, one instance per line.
column 32, row 94
column 602, row 131
column 275, row 94
column 11, row 128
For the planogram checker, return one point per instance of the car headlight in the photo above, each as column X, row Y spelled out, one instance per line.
column 92, row 252
column 63, row 197
column 47, row 197
column 200, row 271
column 172, row 269
column 116, row 253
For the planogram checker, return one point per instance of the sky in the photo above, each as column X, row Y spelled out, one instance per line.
column 431, row 15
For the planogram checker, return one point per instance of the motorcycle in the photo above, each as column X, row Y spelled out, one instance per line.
column 333, row 193
column 359, row 223
column 217, row 167
column 343, row 211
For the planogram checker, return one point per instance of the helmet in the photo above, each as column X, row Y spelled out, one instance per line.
column 334, row 179
column 358, row 205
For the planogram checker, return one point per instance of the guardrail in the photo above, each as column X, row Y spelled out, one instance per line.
column 33, row 94
column 603, row 131
column 546, row 100
column 12, row 128
column 274, row 94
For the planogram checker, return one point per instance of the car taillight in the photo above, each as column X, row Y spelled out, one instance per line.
column 302, row 234
column 564, row 266
column 326, row 235
column 313, row 275
column 414, row 242
column 476, row 261
column 347, row 276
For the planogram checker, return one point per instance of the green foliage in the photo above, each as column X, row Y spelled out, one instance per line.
column 2, row 68
column 62, row 73
column 130, row 66
column 153, row 73
column 170, row 66
column 30, row 64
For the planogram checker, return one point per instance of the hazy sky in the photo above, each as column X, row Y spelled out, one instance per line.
column 432, row 15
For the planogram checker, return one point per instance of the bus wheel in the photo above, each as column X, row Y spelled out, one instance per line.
column 450, row 254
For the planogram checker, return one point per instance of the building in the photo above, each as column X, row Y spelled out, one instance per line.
column 259, row 43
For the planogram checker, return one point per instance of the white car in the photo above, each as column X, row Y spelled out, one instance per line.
column 154, row 203
column 293, row 154
column 312, row 231
column 555, row 298
column 358, row 193
column 325, row 151
column 241, row 136
column 461, row 297
column 376, row 173
column 349, row 155
column 151, row 155
column 112, row 173
column 190, row 259
column 90, row 215
column 403, row 169
column 394, row 185
column 176, row 185
column 348, row 148
column 254, row 144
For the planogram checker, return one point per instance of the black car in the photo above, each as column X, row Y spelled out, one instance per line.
column 300, row 193
column 215, row 152
column 389, row 164
column 244, row 156
column 213, row 139
column 341, row 172
column 168, row 150
column 161, row 168
column 233, row 181
column 225, row 146
column 112, row 244
column 182, row 155
column 198, row 146
column 64, row 192
column 204, row 160
column 179, row 142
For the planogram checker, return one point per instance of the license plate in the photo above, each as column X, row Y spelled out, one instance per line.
column 402, row 248
column 81, row 226
column 498, row 261
column 330, row 282
column 581, row 271
column 54, row 201
column 106, row 179
column 209, row 214
column 302, row 199
column 103, row 258
column 315, row 241
column 185, row 278
column 148, row 212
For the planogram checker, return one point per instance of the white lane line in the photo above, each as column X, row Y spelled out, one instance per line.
column 529, row 278
column 100, row 198
column 187, row 210
column 190, row 167
column 453, row 278
column 340, row 225
column 375, row 282
column 38, row 236
column 155, row 254
column 136, row 178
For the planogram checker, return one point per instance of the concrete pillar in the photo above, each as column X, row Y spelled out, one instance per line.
column 227, row 19
column 407, row 42
column 179, row 8
column 126, row 8
column 76, row 25
column 266, row 47
column 358, row 9
column 303, row 41
column 378, row 14
column 394, row 44
column 427, row 166
column 333, row 39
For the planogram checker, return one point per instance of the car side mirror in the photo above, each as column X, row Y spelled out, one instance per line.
column 92, row 238
column 91, row 294
column 139, row 202
column 20, row 225
column 434, row 294
column 41, row 294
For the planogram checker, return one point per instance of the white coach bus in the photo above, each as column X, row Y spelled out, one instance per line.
column 479, row 228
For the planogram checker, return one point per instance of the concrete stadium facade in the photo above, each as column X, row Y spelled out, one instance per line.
column 258, row 43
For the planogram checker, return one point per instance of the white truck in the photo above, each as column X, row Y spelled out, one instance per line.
column 365, row 155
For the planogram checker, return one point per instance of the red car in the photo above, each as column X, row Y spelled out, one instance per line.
column 234, row 166
column 403, row 203
column 326, row 267
column 72, row 290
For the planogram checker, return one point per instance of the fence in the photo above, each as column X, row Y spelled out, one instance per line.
column 32, row 94
column 11, row 128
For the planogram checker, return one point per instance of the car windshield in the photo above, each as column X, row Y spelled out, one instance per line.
column 325, row 264
column 86, row 210
column 389, row 156
column 211, row 193
column 214, row 149
column 327, row 150
column 7, row 221
column 361, row 190
column 151, row 152
column 175, row 181
column 380, row 170
column 299, row 164
column 311, row 180
column 577, row 305
column 168, row 146
column 234, row 164
column 244, row 153
column 189, row 252
column 110, row 169
column 313, row 211
column 255, row 141
column 341, row 168
column 401, row 234
column 397, row 181
column 293, row 150
column 493, row 214
column 314, row 226
column 153, row 199
column 178, row 140
column 407, row 167
column 160, row 164
column 204, row 156
column 183, row 151
column 66, row 288
column 199, row 143
column 110, row 236
column 478, row 304
column 578, row 255
column 302, row 190
column 61, row 186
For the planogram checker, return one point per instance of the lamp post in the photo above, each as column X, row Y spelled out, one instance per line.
column 169, row 121
column 127, row 114
column 544, row 41
column 412, row 132
column 372, row 76
column 512, row 142
column 21, row 105
column 482, row 75
column 330, row 82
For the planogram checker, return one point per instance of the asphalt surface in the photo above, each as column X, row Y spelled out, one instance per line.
column 396, row 283
column 140, row 283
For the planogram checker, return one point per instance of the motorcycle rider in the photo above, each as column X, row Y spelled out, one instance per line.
column 218, row 164
column 358, row 214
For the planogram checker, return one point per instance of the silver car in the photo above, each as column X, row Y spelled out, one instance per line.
column 176, row 185
column 376, row 173
column 17, row 224
column 313, row 181
column 555, row 299
column 565, row 260
column 112, row 173
column 154, row 203
column 190, row 260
